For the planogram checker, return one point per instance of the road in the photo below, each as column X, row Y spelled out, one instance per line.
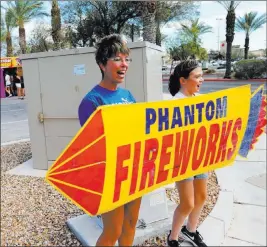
column 14, row 118
column 208, row 87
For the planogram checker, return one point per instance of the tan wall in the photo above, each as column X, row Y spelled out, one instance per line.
column 54, row 92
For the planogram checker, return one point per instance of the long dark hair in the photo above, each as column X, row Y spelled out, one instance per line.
column 183, row 69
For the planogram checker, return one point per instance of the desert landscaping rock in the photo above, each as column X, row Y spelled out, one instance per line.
column 33, row 213
column 14, row 154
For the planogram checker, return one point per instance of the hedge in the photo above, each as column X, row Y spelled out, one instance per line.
column 250, row 69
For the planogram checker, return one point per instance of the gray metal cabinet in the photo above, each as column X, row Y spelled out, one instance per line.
column 54, row 92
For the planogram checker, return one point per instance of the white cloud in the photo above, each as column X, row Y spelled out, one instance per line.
column 206, row 2
column 175, row 25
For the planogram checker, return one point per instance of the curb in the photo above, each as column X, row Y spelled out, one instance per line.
column 220, row 218
column 226, row 80
column 233, row 80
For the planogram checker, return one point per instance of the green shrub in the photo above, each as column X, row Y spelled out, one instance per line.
column 250, row 69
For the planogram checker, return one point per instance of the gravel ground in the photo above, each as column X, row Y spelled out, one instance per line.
column 14, row 154
column 35, row 214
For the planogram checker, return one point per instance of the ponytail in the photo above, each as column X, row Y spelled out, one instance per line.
column 174, row 84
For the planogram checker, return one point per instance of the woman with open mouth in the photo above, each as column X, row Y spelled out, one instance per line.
column 185, row 82
column 112, row 57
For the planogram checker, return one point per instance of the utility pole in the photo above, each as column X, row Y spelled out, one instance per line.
column 218, row 19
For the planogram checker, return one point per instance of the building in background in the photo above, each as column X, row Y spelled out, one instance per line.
column 257, row 53
column 237, row 51
column 223, row 47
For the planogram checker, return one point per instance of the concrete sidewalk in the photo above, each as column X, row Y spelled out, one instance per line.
column 245, row 182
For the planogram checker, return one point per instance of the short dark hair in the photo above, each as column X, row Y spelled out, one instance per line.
column 108, row 47
column 183, row 69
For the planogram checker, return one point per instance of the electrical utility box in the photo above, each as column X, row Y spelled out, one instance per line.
column 56, row 82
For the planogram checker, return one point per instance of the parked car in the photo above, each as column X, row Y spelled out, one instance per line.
column 213, row 65
column 222, row 64
column 166, row 69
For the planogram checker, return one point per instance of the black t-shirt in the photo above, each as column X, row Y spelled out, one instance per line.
column 16, row 79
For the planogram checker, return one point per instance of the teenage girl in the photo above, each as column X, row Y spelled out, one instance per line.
column 185, row 82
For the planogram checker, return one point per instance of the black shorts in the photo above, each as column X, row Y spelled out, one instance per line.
column 22, row 84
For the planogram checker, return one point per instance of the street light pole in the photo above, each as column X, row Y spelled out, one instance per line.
column 218, row 19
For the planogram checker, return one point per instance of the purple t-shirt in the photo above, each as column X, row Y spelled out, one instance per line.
column 101, row 96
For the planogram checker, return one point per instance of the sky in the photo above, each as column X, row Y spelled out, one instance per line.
column 209, row 12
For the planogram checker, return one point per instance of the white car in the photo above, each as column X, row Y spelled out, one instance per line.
column 213, row 65
column 166, row 69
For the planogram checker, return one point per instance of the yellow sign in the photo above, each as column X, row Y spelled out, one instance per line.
column 126, row 151
column 6, row 62
column 10, row 62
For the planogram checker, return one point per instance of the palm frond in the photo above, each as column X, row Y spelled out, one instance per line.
column 10, row 20
column 3, row 28
column 25, row 10
column 229, row 5
column 258, row 22
column 250, row 22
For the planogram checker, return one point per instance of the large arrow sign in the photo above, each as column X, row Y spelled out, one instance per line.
column 126, row 151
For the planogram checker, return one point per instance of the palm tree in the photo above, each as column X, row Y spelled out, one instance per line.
column 194, row 30
column 3, row 28
column 6, row 27
column 10, row 24
column 230, row 6
column 56, row 24
column 132, row 28
column 167, row 11
column 149, row 24
column 24, row 11
column 3, row 32
column 249, row 23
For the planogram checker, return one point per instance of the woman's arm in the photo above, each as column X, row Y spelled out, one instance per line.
column 86, row 108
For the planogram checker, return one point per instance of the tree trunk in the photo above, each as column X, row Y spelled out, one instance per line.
column 91, row 42
column 228, row 60
column 22, row 39
column 158, row 34
column 56, row 25
column 246, row 46
column 230, row 27
column 132, row 32
column 45, row 45
column 105, row 20
column 149, row 24
column 9, row 46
